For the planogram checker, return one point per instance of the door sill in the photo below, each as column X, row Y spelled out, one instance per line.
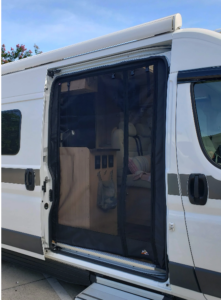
column 114, row 261
column 110, row 272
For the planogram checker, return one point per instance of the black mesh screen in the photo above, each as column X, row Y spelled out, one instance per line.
column 105, row 200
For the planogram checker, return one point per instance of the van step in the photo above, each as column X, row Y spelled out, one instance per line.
column 101, row 292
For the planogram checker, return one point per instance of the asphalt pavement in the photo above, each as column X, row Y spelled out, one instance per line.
column 23, row 284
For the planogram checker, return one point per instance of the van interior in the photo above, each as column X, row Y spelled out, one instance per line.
column 105, row 133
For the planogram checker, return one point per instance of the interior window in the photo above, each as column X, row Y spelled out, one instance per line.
column 208, row 107
column 11, row 125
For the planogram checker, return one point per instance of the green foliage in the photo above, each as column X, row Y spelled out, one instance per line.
column 16, row 54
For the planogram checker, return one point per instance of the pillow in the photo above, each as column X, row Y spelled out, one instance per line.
column 131, row 128
column 132, row 166
column 143, row 130
column 139, row 163
column 142, row 175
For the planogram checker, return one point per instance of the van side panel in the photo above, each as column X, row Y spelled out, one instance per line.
column 177, row 241
column 21, row 209
column 23, row 83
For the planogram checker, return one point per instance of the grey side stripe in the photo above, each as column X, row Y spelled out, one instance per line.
column 10, row 175
column 173, row 188
column 209, row 282
column 214, row 186
column 183, row 276
column 22, row 240
column 184, row 184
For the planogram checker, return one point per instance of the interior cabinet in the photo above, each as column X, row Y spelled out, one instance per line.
column 79, row 170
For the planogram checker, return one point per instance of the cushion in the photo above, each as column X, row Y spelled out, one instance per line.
column 139, row 163
column 131, row 128
column 142, row 175
column 143, row 130
column 137, row 183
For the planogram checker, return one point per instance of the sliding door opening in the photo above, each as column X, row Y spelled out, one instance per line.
column 106, row 149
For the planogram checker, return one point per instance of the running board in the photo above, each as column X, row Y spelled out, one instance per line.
column 114, row 260
column 101, row 292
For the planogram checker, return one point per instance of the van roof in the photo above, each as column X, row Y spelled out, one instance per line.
column 139, row 32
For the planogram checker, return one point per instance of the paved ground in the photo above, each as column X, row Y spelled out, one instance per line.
column 22, row 284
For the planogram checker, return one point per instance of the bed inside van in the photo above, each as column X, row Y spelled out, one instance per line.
column 106, row 143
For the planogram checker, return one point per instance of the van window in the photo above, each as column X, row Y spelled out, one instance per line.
column 11, row 126
column 208, row 109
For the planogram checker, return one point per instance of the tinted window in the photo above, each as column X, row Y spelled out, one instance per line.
column 11, row 125
column 208, row 108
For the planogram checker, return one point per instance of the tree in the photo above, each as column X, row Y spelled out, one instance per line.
column 19, row 53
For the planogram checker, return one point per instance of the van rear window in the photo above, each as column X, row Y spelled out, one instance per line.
column 11, row 127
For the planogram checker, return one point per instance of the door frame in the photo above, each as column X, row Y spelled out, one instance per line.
column 159, row 237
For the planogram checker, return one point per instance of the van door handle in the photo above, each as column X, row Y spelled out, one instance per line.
column 30, row 179
column 197, row 189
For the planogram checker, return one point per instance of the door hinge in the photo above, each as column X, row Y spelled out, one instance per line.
column 44, row 184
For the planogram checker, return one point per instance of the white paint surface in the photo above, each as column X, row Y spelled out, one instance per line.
column 21, row 209
column 195, row 48
column 203, row 222
column 177, row 241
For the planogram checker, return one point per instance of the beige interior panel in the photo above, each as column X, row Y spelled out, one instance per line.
column 78, row 190
column 74, row 187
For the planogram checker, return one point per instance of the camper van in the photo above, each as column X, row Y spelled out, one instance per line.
column 111, row 163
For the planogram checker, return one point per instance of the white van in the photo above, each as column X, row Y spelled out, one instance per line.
column 111, row 163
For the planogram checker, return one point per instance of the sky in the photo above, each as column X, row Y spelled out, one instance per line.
column 52, row 24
